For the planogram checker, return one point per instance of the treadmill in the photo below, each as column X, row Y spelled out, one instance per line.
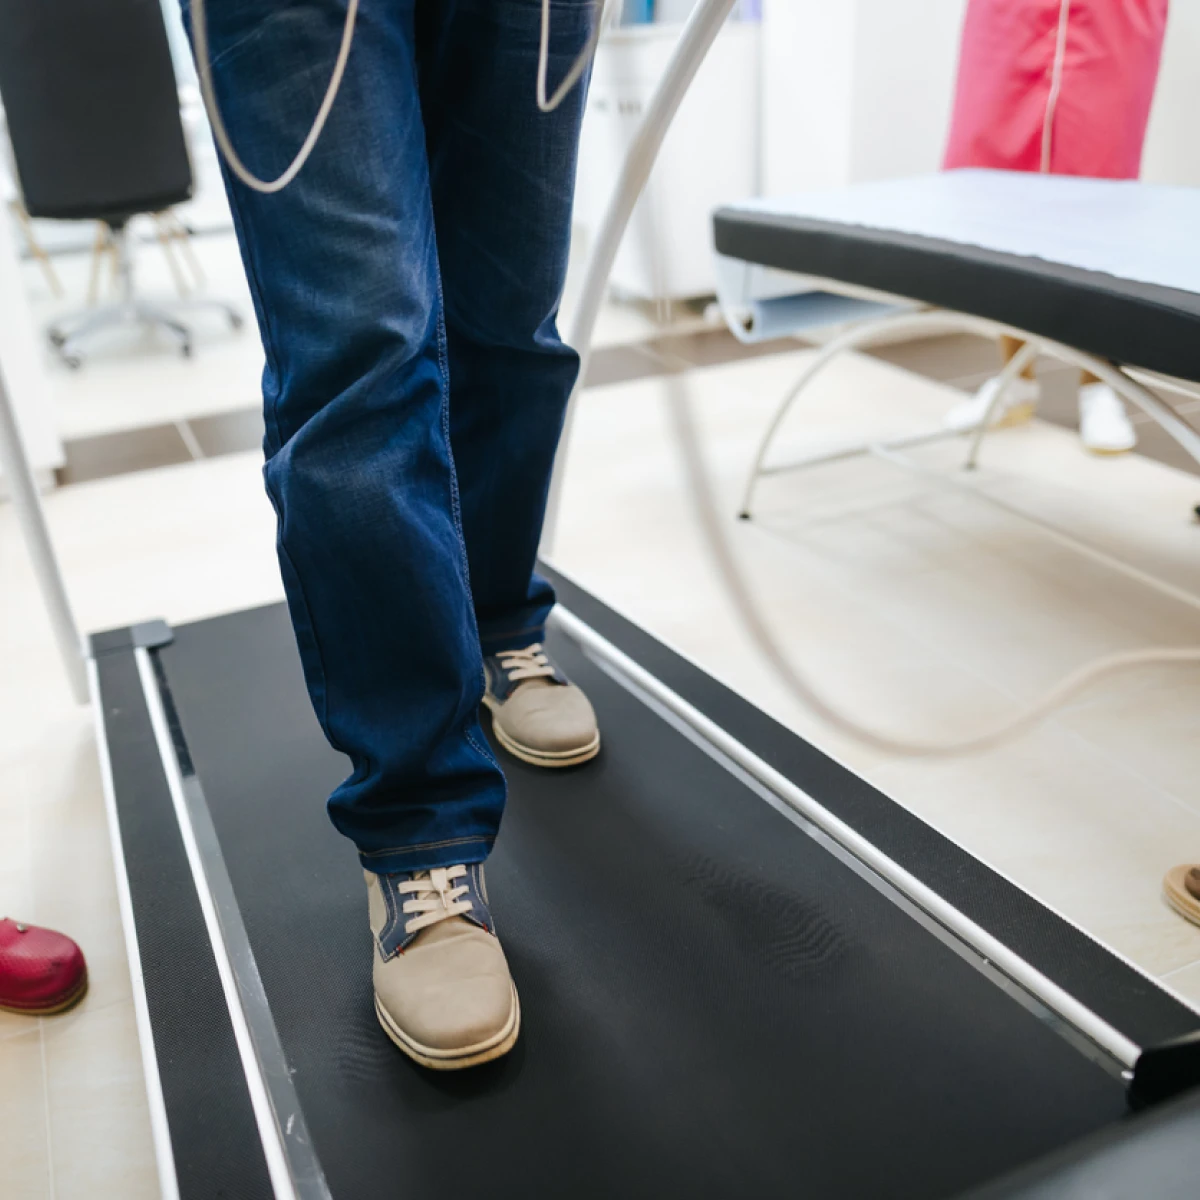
column 743, row 970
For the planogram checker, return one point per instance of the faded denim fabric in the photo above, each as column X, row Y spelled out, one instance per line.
column 406, row 286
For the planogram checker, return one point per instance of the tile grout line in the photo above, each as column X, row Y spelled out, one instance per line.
column 1186, row 966
column 46, row 1107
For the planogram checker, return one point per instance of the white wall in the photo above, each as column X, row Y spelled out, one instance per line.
column 862, row 89
column 855, row 89
column 807, row 74
column 1172, row 153
column 905, row 63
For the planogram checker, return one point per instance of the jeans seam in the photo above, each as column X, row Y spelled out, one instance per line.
column 235, row 204
column 507, row 633
column 271, row 418
column 456, row 506
column 459, row 841
column 392, row 915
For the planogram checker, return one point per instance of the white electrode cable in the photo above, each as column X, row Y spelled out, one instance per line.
column 204, row 70
column 269, row 186
column 578, row 67
column 699, row 484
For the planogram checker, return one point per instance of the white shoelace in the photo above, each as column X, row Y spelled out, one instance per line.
column 530, row 663
column 435, row 898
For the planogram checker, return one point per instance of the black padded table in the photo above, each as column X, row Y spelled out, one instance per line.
column 719, row 998
column 1108, row 267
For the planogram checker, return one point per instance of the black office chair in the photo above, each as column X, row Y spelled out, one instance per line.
column 93, row 114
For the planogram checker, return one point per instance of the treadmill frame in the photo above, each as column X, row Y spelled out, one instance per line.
column 686, row 697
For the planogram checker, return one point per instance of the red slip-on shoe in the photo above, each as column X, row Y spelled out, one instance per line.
column 41, row 972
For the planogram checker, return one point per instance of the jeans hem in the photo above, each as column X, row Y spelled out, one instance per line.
column 448, row 853
column 512, row 639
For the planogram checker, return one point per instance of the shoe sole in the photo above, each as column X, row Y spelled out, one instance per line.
column 542, row 758
column 1178, row 897
column 454, row 1060
column 1105, row 452
column 59, row 1006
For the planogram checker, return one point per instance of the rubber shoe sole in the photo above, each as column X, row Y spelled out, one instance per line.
column 1178, row 897
column 59, row 1006
column 454, row 1060
column 542, row 758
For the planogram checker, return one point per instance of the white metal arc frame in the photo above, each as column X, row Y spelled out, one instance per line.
column 698, row 35
column 27, row 503
column 892, row 449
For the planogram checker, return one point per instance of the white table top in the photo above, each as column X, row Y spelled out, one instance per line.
column 1135, row 231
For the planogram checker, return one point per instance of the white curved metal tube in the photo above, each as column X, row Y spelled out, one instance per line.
column 1120, row 380
column 1011, row 369
column 698, row 35
column 28, row 507
column 861, row 334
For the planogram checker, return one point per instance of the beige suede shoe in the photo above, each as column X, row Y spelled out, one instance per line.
column 443, row 993
column 537, row 714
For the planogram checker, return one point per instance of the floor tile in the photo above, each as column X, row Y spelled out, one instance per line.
column 923, row 609
column 24, row 1133
column 621, row 364
column 99, row 1119
column 73, row 878
column 946, row 358
column 122, row 452
column 713, row 347
column 228, row 433
column 1186, row 981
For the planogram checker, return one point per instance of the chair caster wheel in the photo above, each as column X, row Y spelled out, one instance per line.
column 186, row 349
column 56, row 338
column 236, row 321
column 73, row 361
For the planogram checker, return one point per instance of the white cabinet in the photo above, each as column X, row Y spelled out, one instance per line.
column 709, row 157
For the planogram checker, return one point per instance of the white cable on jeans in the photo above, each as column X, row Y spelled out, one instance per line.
column 204, row 70
column 577, row 67
column 267, row 187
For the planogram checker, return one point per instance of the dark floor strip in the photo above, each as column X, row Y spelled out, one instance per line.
column 959, row 360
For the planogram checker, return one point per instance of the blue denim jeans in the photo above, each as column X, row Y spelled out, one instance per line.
column 406, row 286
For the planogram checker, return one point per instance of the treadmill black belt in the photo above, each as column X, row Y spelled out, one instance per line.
column 714, row 1005
column 1137, row 324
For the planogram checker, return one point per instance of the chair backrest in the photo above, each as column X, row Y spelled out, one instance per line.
column 92, row 106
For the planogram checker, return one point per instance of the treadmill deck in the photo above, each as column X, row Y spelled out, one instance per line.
column 714, row 1004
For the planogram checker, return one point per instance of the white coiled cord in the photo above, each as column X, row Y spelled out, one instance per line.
column 703, row 494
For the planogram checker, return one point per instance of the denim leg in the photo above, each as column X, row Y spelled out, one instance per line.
column 502, row 176
column 344, row 273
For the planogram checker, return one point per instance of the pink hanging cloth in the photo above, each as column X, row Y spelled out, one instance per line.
column 1062, row 86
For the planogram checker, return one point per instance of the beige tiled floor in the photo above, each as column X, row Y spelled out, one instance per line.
column 917, row 608
column 930, row 612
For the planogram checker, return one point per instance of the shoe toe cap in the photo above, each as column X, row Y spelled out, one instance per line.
column 551, row 719
column 450, row 991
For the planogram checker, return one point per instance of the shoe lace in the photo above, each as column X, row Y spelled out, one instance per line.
column 530, row 663
column 435, row 898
